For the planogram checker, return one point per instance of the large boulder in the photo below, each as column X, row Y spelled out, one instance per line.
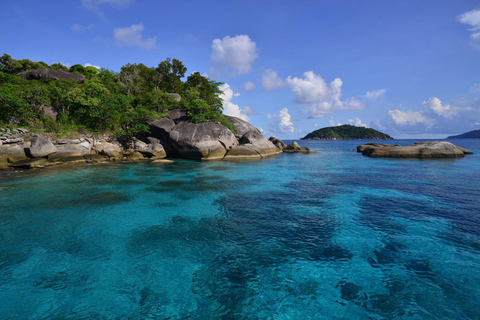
column 205, row 141
column 41, row 147
column 50, row 74
column 154, row 149
column 425, row 149
column 71, row 150
column 277, row 143
column 251, row 141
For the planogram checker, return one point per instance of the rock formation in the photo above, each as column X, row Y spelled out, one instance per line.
column 50, row 74
column 426, row 149
column 41, row 147
column 210, row 140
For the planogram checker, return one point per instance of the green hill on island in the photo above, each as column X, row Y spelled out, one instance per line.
column 475, row 134
column 346, row 132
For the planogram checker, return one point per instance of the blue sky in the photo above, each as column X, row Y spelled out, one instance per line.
column 408, row 68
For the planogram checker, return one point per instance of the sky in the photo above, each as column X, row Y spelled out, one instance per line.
column 410, row 69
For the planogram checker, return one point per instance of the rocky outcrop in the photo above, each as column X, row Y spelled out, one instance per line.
column 176, row 97
column 41, row 147
column 251, row 143
column 203, row 141
column 50, row 74
column 210, row 140
column 294, row 147
column 425, row 149
column 277, row 143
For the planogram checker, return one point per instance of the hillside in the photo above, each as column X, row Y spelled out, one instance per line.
column 475, row 134
column 346, row 132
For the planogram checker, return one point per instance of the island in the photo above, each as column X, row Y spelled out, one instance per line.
column 475, row 134
column 346, row 132
column 54, row 115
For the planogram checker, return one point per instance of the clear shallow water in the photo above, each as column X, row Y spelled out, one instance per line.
column 334, row 235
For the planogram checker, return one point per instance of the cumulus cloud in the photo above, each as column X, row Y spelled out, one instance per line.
column 281, row 123
column 407, row 117
column 231, row 109
column 321, row 98
column 132, row 36
column 234, row 53
column 472, row 18
column 375, row 94
column 271, row 80
column 436, row 106
column 248, row 86
column 357, row 122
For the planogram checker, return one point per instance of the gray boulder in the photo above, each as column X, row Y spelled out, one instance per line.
column 292, row 147
column 277, row 143
column 50, row 112
column 252, row 144
column 205, row 141
column 176, row 97
column 50, row 74
column 41, row 147
column 425, row 149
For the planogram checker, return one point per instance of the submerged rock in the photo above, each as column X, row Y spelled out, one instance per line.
column 425, row 149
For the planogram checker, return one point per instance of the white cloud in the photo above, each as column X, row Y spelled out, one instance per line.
column 321, row 97
column 357, row 122
column 435, row 105
column 237, row 53
column 78, row 27
column 91, row 65
column 315, row 125
column 331, row 122
column 472, row 18
column 375, row 94
column 248, row 86
column 407, row 117
column 132, row 36
column 229, row 108
column 271, row 80
column 280, row 123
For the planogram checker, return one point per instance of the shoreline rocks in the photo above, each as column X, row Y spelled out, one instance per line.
column 420, row 150
column 172, row 137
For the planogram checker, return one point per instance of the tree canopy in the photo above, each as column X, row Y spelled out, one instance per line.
column 107, row 101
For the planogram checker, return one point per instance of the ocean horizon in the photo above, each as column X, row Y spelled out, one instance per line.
column 330, row 235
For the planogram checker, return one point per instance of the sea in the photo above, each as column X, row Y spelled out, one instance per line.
column 331, row 235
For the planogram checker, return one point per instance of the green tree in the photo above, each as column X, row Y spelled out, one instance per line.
column 171, row 73
column 58, row 66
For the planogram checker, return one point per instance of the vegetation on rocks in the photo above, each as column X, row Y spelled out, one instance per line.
column 346, row 132
column 121, row 103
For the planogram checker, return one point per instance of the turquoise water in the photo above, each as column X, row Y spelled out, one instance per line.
column 334, row 235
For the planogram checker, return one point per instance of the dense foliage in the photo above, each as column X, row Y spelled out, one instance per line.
column 346, row 132
column 107, row 101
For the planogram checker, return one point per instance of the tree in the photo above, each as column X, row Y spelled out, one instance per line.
column 58, row 66
column 171, row 72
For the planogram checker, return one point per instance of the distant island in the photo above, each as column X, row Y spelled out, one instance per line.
column 475, row 134
column 346, row 132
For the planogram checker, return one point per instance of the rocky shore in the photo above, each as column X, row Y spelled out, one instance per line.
column 172, row 137
column 422, row 150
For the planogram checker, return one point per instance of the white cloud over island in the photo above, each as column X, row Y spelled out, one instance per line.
column 132, row 36
column 280, row 123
